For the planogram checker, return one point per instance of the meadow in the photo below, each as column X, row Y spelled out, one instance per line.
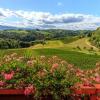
column 81, row 60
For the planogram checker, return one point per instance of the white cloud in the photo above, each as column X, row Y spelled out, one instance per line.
column 6, row 12
column 48, row 20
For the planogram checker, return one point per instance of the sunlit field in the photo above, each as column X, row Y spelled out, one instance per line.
column 81, row 60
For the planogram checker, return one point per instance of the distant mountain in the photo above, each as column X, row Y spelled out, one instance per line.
column 7, row 27
column 2, row 27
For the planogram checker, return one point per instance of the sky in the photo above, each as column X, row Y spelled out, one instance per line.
column 44, row 14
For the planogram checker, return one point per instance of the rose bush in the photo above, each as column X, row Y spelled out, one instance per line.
column 39, row 76
column 44, row 76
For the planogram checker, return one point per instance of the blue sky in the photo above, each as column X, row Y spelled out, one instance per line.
column 67, row 14
column 71, row 6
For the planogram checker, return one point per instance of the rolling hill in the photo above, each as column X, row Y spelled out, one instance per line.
column 76, row 50
column 95, row 38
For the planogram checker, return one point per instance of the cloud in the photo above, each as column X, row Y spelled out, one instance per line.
column 1, row 15
column 21, row 18
column 59, row 4
column 6, row 12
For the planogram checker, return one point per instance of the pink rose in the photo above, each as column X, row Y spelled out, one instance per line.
column 29, row 90
column 1, row 83
column 97, row 79
column 54, row 66
column 9, row 76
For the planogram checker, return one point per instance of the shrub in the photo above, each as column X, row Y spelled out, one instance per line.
column 44, row 76
column 78, row 47
column 40, row 76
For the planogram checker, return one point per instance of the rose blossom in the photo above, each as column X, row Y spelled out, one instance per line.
column 97, row 79
column 1, row 83
column 9, row 76
column 29, row 90
column 54, row 66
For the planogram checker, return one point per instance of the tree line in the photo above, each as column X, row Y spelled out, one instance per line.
column 26, row 38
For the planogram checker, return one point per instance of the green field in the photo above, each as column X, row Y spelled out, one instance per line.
column 79, row 58
column 49, row 44
column 82, row 60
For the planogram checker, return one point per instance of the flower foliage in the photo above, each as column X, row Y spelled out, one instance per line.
column 43, row 76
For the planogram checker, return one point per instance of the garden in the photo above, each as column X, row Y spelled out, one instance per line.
column 47, row 78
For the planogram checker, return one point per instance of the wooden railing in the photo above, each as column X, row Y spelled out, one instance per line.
column 80, row 93
column 87, row 92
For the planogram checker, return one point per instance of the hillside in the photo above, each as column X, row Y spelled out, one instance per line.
column 82, row 44
column 75, row 48
column 95, row 38
column 76, row 44
column 49, row 44
column 10, row 39
column 56, row 43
